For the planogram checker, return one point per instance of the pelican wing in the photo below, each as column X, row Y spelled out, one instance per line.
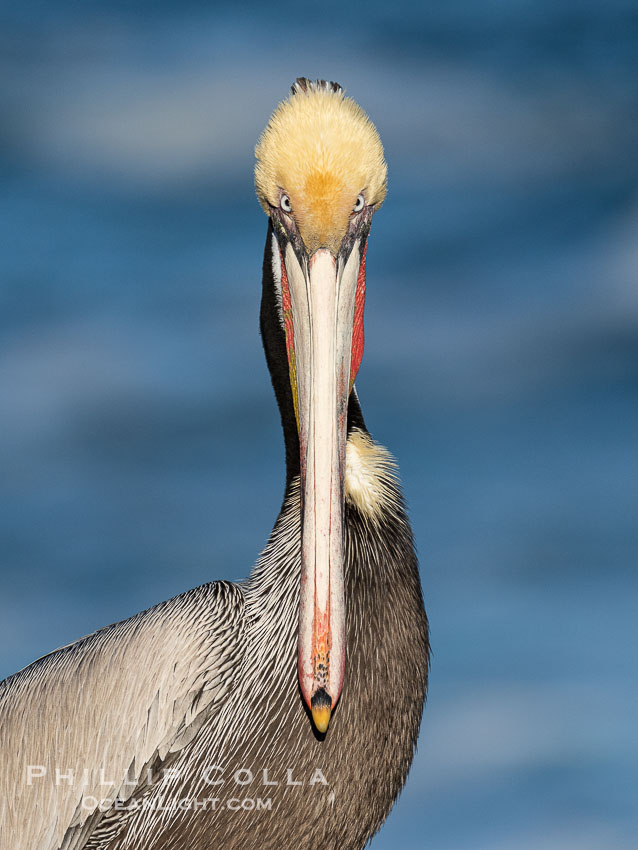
column 84, row 724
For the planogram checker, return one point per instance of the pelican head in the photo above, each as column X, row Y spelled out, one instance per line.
column 320, row 176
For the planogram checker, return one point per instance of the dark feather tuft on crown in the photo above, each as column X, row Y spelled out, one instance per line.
column 303, row 85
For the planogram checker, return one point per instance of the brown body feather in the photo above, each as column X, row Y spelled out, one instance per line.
column 367, row 752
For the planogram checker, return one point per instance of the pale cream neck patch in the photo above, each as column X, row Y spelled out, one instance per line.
column 370, row 475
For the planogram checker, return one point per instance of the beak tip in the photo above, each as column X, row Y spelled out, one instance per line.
column 321, row 708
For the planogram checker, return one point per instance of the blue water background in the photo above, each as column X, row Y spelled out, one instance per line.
column 140, row 450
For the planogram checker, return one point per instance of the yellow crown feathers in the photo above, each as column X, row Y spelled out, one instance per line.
column 321, row 149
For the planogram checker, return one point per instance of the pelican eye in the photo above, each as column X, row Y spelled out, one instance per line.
column 359, row 204
column 284, row 203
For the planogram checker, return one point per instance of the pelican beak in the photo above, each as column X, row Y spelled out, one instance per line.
column 322, row 299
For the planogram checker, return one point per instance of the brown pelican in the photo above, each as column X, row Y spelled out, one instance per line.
column 203, row 722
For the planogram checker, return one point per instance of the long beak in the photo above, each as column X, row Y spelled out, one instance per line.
column 322, row 293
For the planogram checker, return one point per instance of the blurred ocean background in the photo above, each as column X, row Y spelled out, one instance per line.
column 140, row 449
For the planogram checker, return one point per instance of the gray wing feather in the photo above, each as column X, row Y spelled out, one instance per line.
column 103, row 709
